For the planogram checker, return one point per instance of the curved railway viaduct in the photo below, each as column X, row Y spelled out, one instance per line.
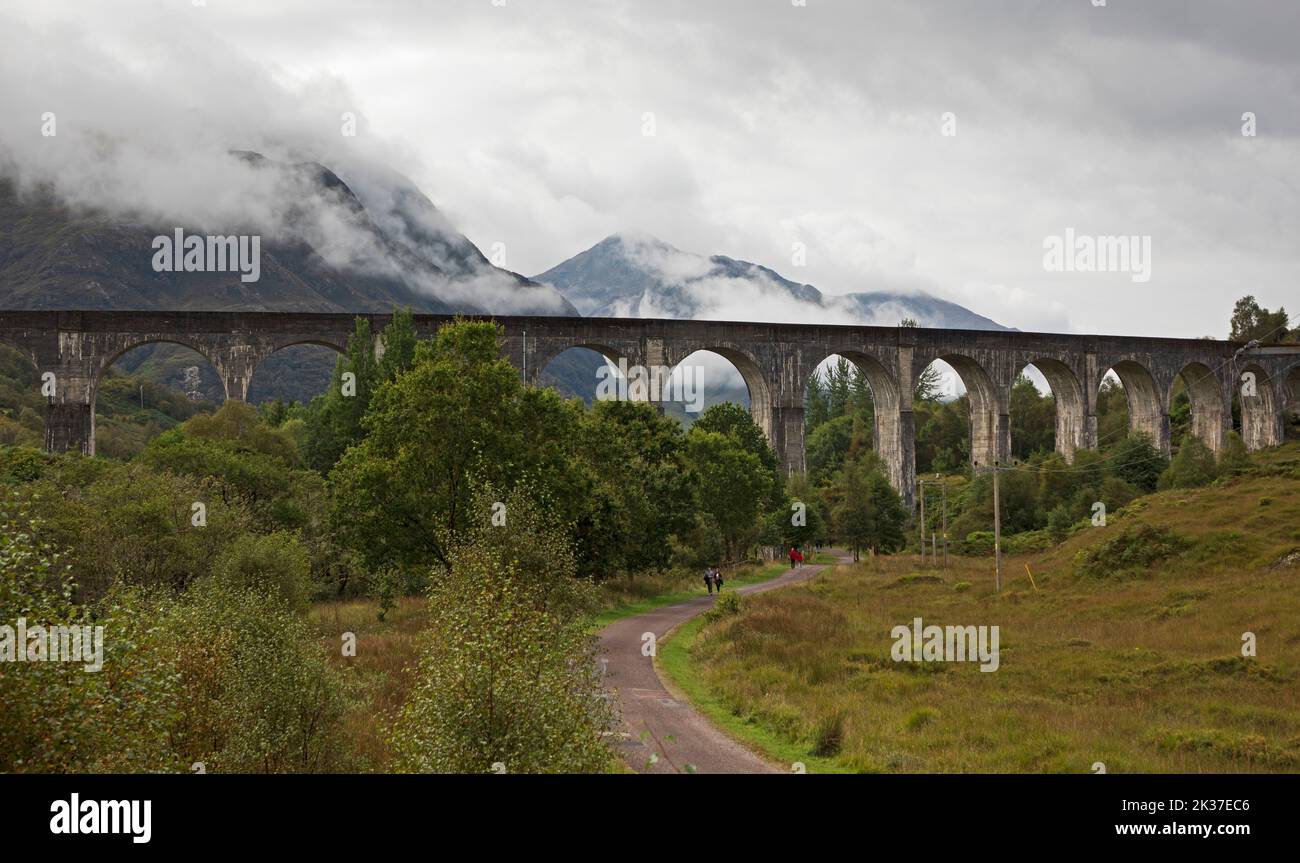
column 776, row 361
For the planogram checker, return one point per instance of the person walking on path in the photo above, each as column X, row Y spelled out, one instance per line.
column 708, row 579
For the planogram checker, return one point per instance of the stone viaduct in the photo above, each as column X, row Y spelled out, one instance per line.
column 776, row 361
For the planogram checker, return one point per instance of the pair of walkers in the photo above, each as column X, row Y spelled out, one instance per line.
column 796, row 558
column 713, row 579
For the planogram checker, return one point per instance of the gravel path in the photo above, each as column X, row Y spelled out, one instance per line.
column 678, row 734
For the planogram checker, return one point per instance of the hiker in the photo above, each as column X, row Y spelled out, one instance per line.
column 708, row 579
column 798, row 558
column 792, row 556
column 717, row 578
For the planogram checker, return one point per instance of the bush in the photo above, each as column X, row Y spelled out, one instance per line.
column 509, row 675
column 229, row 677
column 1137, row 461
column 275, row 564
column 1059, row 522
column 1234, row 459
column 256, row 694
column 728, row 604
column 1134, row 549
column 1193, row 467
column 130, row 525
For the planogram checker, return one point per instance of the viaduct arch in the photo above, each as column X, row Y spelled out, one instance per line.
column 776, row 361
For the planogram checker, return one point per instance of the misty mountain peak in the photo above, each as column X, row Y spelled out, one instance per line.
column 635, row 274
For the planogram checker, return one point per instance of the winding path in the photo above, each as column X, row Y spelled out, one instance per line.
column 677, row 733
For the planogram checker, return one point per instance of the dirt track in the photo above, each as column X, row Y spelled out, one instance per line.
column 678, row 734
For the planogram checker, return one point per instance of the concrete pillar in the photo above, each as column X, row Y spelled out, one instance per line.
column 901, row 456
column 896, row 429
column 1088, row 436
column 990, row 436
column 70, row 416
column 236, row 364
column 1069, row 432
column 1263, row 423
column 70, row 427
column 787, row 428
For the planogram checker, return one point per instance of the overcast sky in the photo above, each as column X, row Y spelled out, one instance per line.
column 774, row 124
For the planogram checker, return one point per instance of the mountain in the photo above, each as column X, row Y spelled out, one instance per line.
column 370, row 243
column 334, row 248
column 637, row 275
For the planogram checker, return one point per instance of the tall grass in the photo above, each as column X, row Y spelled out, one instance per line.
column 380, row 676
column 1137, row 666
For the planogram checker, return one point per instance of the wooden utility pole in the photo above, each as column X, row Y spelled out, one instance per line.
column 921, row 526
column 997, row 532
column 944, row 488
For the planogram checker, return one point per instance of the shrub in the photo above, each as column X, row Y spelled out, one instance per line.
column 1059, row 522
column 255, row 691
column 728, row 604
column 509, row 675
column 921, row 717
column 275, row 564
column 1234, row 459
column 828, row 735
column 1137, row 461
column 1193, row 466
column 1134, row 549
column 224, row 676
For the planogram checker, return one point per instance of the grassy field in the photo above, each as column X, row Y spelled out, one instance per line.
column 1137, row 663
column 380, row 675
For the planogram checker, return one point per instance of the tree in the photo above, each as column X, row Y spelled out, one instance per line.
column 868, row 512
column 816, row 409
column 827, row 447
column 1059, row 522
column 801, row 520
column 734, row 485
column 1192, row 467
column 335, row 418
column 245, row 460
column 509, row 676
column 1250, row 322
column 1137, row 461
column 336, row 415
column 645, row 486
column 733, row 420
column 1033, row 420
column 1234, row 459
column 943, row 437
column 275, row 564
column 458, row 415
column 1112, row 411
